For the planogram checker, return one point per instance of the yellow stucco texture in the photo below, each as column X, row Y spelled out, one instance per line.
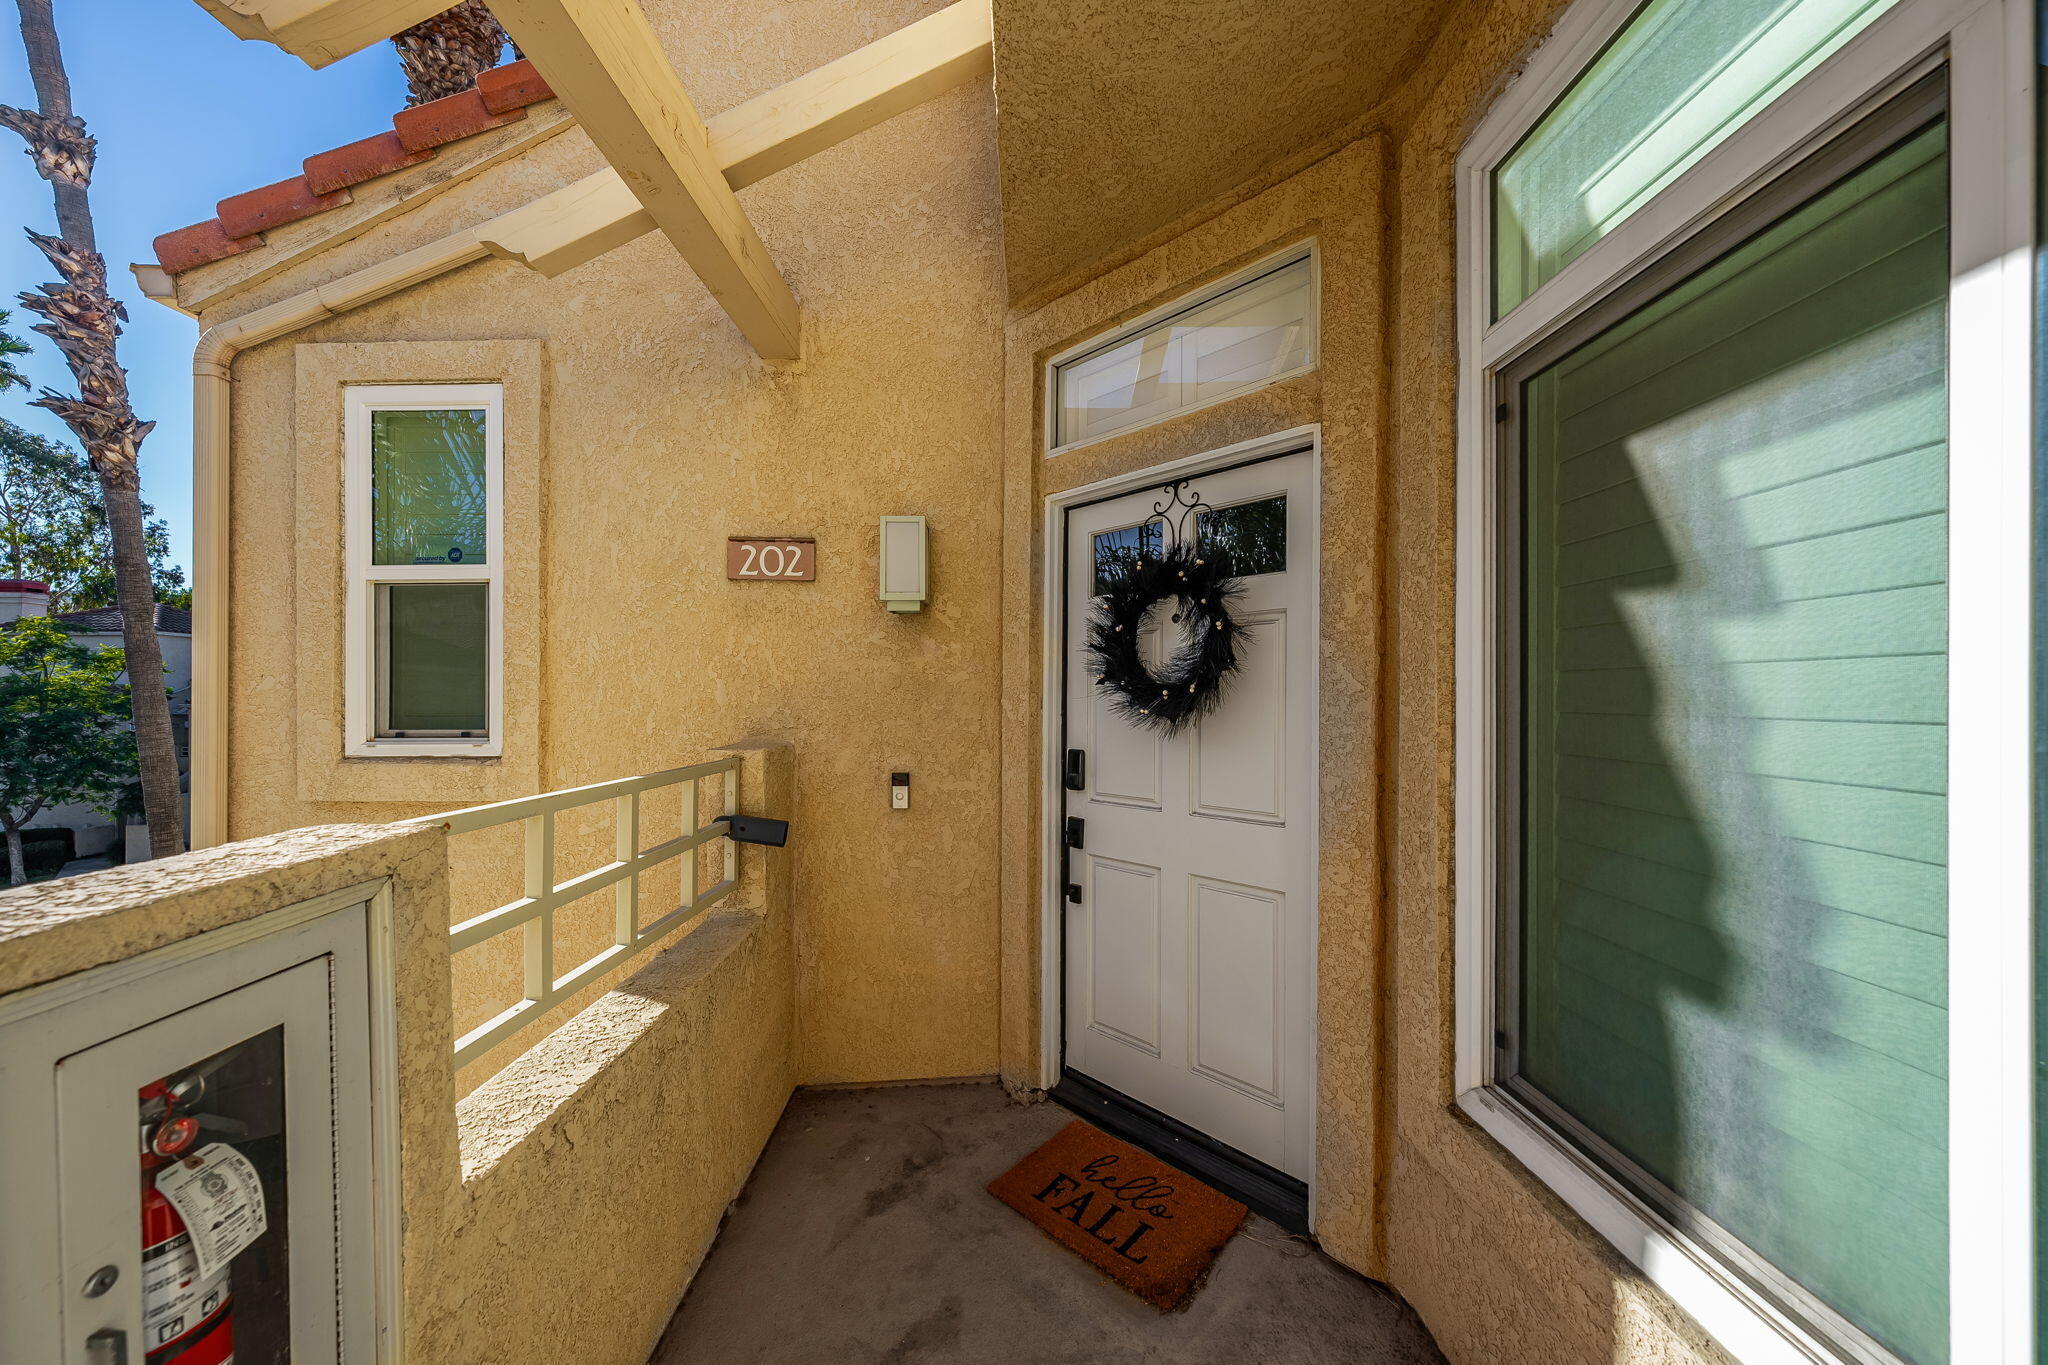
column 1496, row 1265
column 596, row 1167
column 916, row 935
column 661, row 434
column 1337, row 203
column 560, row 1209
column 1121, row 115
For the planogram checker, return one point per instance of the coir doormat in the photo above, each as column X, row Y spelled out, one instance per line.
column 1151, row 1228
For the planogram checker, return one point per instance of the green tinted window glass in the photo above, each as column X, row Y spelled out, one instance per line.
column 428, row 496
column 436, row 661
column 1253, row 534
column 1672, row 86
column 1734, row 821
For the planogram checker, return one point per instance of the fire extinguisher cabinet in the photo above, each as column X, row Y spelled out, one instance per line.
column 191, row 1149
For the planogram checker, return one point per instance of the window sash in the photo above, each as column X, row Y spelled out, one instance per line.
column 367, row 682
column 385, row 683
column 1620, row 175
column 1172, row 358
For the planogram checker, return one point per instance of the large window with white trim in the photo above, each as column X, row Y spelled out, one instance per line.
column 425, row 565
column 1731, row 907
column 1733, row 646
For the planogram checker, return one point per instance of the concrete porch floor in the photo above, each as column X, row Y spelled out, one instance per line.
column 865, row 1234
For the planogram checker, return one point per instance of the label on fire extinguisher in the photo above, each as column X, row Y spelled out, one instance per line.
column 176, row 1296
column 220, row 1197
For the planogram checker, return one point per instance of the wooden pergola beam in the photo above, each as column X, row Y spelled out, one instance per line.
column 744, row 144
column 603, row 60
column 772, row 131
column 868, row 85
column 319, row 32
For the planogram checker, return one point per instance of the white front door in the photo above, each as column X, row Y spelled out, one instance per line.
column 1190, row 906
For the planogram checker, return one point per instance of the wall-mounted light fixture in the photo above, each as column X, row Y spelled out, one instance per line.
column 905, row 565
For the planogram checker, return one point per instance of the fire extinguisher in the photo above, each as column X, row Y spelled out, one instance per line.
column 186, row 1317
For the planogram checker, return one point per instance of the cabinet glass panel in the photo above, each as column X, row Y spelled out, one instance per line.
column 215, row 1255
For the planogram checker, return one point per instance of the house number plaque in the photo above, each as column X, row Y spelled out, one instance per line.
column 792, row 559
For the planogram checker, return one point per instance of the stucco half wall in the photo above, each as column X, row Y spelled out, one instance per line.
column 560, row 1210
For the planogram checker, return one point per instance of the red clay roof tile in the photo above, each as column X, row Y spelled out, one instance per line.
column 327, row 172
column 248, row 213
column 500, row 96
column 198, row 245
column 444, row 120
column 513, row 86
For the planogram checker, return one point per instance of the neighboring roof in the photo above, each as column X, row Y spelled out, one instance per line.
column 500, row 96
column 107, row 620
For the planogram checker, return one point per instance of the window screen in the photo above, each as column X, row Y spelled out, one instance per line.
column 1732, row 917
column 1676, row 82
column 435, row 670
column 1258, row 331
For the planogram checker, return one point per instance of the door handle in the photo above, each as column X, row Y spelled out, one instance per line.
column 1077, row 832
column 108, row 1346
column 1077, row 770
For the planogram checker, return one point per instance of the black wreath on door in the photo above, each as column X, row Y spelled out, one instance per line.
column 1201, row 586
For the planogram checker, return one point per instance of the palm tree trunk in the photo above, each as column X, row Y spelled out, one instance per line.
column 83, row 318
column 156, row 753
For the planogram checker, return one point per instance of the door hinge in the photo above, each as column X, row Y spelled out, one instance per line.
column 1500, row 1040
column 1500, row 412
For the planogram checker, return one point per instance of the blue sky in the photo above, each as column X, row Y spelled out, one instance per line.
column 186, row 114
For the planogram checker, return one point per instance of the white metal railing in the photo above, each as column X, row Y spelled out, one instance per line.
column 534, row 912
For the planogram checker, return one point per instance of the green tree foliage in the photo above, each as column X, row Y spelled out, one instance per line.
column 53, row 526
column 9, row 348
column 63, row 728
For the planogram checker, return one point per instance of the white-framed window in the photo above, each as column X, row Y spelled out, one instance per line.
column 1252, row 328
column 1742, row 833
column 424, row 497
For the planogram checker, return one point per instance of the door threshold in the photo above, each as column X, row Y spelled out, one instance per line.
column 1270, row 1193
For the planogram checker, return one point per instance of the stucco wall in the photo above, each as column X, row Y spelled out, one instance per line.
column 1496, row 1265
column 660, row 434
column 561, row 1209
column 1406, row 1190
column 1338, row 202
